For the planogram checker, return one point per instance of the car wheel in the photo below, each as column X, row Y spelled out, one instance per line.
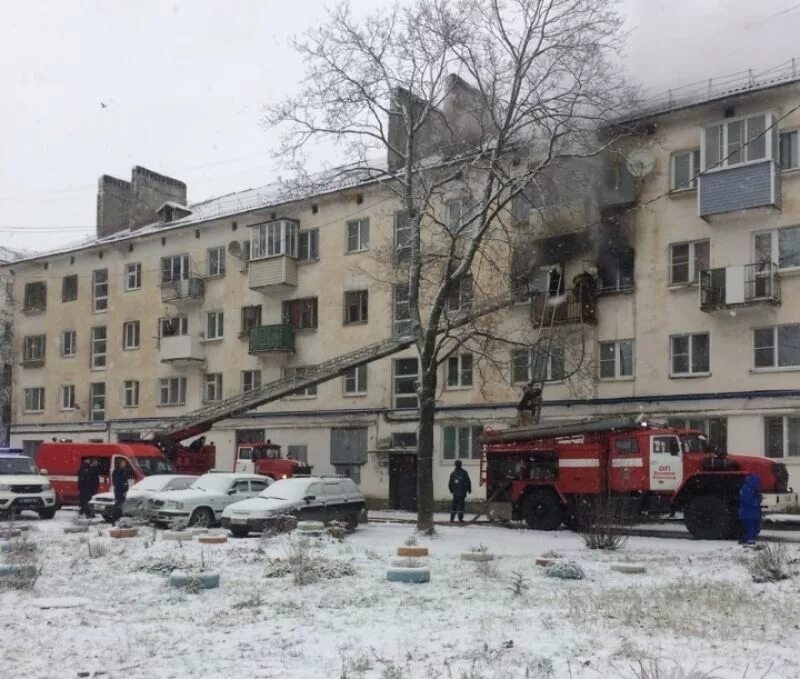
column 201, row 517
column 239, row 532
column 352, row 522
column 47, row 513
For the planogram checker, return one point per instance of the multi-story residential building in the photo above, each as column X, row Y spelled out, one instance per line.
column 6, row 334
column 696, row 317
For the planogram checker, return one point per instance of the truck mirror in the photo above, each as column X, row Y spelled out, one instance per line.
column 674, row 447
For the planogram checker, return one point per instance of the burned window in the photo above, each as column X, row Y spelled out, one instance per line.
column 616, row 271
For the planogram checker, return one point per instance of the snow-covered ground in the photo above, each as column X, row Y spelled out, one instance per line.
column 696, row 611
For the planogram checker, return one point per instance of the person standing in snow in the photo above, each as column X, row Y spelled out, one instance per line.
column 750, row 509
column 88, row 485
column 460, row 486
column 119, row 480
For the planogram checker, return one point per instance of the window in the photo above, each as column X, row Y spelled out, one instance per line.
column 273, row 239
column 69, row 342
column 306, row 392
column 35, row 296
column 33, row 349
column 616, row 271
column 404, row 439
column 174, row 268
column 737, row 141
column 308, row 245
column 789, row 150
column 172, row 391
column 355, row 380
column 536, row 363
column 172, row 327
column 69, row 288
column 301, row 314
column 689, row 354
column 215, row 261
column 358, row 235
column 777, row 347
column 403, row 233
column 616, row 359
column 213, row 387
column 68, row 397
column 685, row 167
column 715, row 428
column 130, row 394
column 215, row 321
column 100, row 290
column 459, row 371
column 97, row 401
column 34, row 400
column 626, row 446
column 402, row 311
column 297, row 452
column 251, row 380
column 458, row 215
column 460, row 296
column 131, row 335
column 99, row 347
column 133, row 276
column 356, row 306
column 462, row 443
column 779, row 245
column 251, row 318
column 687, row 260
column 406, row 374
column 782, row 436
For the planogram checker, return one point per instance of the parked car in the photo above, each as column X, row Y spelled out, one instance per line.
column 139, row 501
column 23, row 486
column 201, row 504
column 314, row 498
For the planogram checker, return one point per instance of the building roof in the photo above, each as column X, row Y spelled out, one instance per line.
column 9, row 255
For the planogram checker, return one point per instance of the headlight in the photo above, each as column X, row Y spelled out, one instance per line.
column 4, row 486
column 173, row 505
column 45, row 486
column 284, row 476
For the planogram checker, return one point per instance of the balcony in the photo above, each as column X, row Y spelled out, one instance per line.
column 183, row 292
column 181, row 350
column 740, row 187
column 273, row 272
column 562, row 309
column 740, row 286
column 266, row 339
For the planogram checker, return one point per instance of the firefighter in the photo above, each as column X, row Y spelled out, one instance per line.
column 119, row 480
column 197, row 445
column 529, row 406
column 88, row 485
column 460, row 486
column 750, row 509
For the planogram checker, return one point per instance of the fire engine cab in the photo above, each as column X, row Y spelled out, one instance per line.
column 265, row 458
column 545, row 474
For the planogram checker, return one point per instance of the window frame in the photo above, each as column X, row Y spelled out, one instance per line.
column 694, row 170
column 460, row 298
column 472, row 439
column 401, row 326
column 72, row 344
column 215, row 262
column 795, row 151
column 133, row 270
column 690, row 354
column 97, row 395
column 212, row 387
column 64, row 297
column 94, row 354
column 355, row 381
column 35, row 296
column 303, row 393
column 308, row 251
column 361, row 240
column 403, row 231
column 137, row 332
column 744, row 144
column 172, row 384
column 67, row 397
column 100, row 291
column 275, row 238
column 37, row 342
column 454, row 367
column 360, row 304
column 617, row 360
column 183, row 325
column 397, row 379
column 170, row 273
column 774, row 348
column 530, row 362
column 692, row 271
column 215, row 321
column 130, row 393
column 775, row 245
column 293, row 312
column 28, row 405
column 458, row 225
column 254, row 373
column 786, row 428
column 244, row 328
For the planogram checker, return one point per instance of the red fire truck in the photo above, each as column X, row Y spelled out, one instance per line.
column 544, row 474
column 265, row 458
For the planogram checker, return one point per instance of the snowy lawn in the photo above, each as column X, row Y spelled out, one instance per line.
column 695, row 612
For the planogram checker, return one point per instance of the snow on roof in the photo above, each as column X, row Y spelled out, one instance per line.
column 9, row 255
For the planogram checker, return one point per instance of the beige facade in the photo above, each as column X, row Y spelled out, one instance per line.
column 747, row 408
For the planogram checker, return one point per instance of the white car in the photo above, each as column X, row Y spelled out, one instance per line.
column 138, row 500
column 317, row 498
column 202, row 503
column 24, row 487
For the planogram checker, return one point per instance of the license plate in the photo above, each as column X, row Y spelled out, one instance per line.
column 239, row 522
column 27, row 501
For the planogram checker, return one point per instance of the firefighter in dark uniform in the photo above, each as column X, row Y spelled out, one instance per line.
column 460, row 486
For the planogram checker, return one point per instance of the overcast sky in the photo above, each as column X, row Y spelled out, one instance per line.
column 183, row 83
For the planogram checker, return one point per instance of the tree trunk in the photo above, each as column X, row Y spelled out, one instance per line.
column 427, row 416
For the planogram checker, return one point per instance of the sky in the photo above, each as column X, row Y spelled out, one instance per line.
column 178, row 86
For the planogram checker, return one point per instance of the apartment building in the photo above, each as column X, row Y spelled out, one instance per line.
column 695, row 317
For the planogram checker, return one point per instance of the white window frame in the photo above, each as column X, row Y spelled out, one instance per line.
column 784, row 436
column 397, row 379
column 617, row 360
column 212, row 388
column 131, row 335
column 775, row 245
column 99, row 291
column 401, row 310
column 457, row 375
column 308, row 245
column 130, row 394
column 175, row 268
column 693, row 272
column 34, row 400
column 69, row 340
column 355, row 380
column 34, row 348
column 457, row 214
column 251, row 376
column 690, row 354
column 133, row 276
column 274, row 239
column 99, row 348
column 308, row 392
column 768, row 136
column 215, row 262
column 97, row 401
column 403, row 231
column 215, row 325
column 183, row 325
column 549, row 373
column 694, row 170
column 795, row 150
column 67, row 397
column 466, row 442
column 171, row 391
column 357, row 235
column 774, row 347
column 361, row 305
column 463, row 295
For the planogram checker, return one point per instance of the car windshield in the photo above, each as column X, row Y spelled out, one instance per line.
column 695, row 443
column 17, row 465
column 212, row 483
column 292, row 490
column 154, row 465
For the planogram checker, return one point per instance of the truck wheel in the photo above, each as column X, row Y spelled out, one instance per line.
column 47, row 513
column 239, row 532
column 201, row 517
column 542, row 510
column 710, row 518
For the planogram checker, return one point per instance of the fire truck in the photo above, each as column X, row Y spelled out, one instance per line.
column 545, row 474
column 265, row 458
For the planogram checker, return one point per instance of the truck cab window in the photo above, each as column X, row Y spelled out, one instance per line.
column 626, row 446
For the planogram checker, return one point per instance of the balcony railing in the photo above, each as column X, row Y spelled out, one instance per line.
column 271, row 338
column 568, row 307
column 181, row 349
column 183, row 291
column 736, row 286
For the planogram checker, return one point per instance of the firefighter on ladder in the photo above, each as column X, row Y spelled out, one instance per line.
column 530, row 405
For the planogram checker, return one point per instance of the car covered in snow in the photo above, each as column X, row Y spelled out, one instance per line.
column 315, row 498
column 139, row 501
column 23, row 486
column 202, row 503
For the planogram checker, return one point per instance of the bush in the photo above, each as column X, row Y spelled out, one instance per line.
column 518, row 583
column 306, row 565
column 24, row 556
column 770, row 564
column 567, row 570
column 600, row 521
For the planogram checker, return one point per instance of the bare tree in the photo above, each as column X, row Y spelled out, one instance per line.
column 470, row 103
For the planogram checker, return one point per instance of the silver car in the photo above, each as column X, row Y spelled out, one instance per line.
column 138, row 502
